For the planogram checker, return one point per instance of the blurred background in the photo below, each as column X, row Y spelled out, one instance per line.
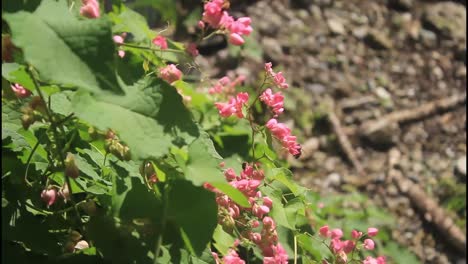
column 377, row 98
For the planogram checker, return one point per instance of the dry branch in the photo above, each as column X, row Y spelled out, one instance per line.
column 426, row 205
column 345, row 143
column 408, row 115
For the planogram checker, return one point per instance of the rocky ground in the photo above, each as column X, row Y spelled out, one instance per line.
column 370, row 58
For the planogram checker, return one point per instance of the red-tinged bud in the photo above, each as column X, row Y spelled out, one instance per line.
column 71, row 170
column 64, row 192
column 27, row 120
column 110, row 134
column 49, row 196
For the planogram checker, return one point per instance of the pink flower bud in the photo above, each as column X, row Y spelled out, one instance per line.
column 369, row 244
column 49, row 196
column 336, row 233
column 236, row 39
column 372, row 231
column 267, row 202
column 356, row 234
column 192, row 49
column 348, row 246
column 20, row 91
column 201, row 24
column 90, row 9
column 324, row 231
column 160, row 41
column 170, row 73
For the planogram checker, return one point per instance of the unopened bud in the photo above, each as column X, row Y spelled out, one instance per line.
column 75, row 236
column 89, row 207
column 27, row 120
column 71, row 170
column 81, row 245
column 64, row 192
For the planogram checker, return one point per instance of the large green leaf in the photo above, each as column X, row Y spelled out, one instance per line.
column 203, row 166
column 195, row 211
column 150, row 117
column 16, row 73
column 64, row 49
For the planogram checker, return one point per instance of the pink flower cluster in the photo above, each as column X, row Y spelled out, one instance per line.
column 233, row 106
column 90, row 9
column 340, row 248
column 160, row 41
column 226, row 85
column 371, row 260
column 278, row 78
column 281, row 132
column 216, row 17
column 191, row 49
column 170, row 73
column 20, row 91
column 246, row 219
column 275, row 101
column 119, row 39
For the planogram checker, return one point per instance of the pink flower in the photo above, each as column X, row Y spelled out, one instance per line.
column 275, row 101
column 268, row 222
column 49, row 196
column 213, row 12
column 280, row 80
column 119, row 40
column 20, row 91
column 371, row 260
column 267, row 202
column 269, row 69
column 170, row 73
column 232, row 258
column 160, row 41
column 90, row 9
column 324, row 231
column 348, row 246
column 356, row 234
column 336, row 245
column 369, row 244
column 236, row 39
column 234, row 106
column 372, row 231
column 260, row 210
column 192, row 49
column 336, row 233
column 81, row 245
column 283, row 134
column 280, row 256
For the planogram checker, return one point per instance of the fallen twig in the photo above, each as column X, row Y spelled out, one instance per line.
column 426, row 205
column 408, row 115
column 345, row 143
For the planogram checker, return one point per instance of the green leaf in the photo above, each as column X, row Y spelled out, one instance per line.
column 203, row 163
column 16, row 73
column 149, row 118
column 233, row 193
column 64, row 49
column 131, row 198
column 195, row 211
column 284, row 176
column 223, row 240
column 133, row 22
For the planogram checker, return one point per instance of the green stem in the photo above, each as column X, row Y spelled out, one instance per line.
column 159, row 240
column 28, row 162
column 152, row 49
